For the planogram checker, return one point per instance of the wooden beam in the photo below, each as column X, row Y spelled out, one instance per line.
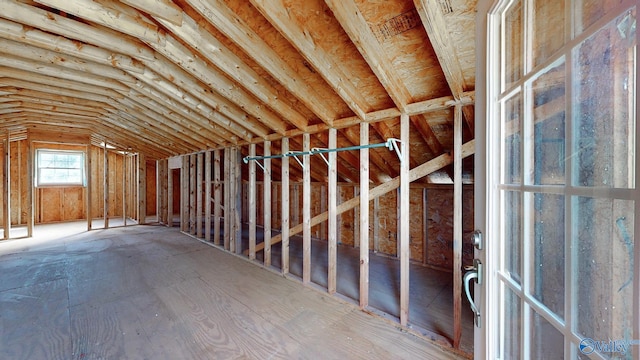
column 364, row 216
column 252, row 204
column 457, row 227
column 89, row 189
column 235, row 29
column 142, row 188
column 115, row 20
column 306, row 210
column 6, row 178
column 285, row 207
column 237, row 189
column 217, row 197
column 207, row 195
column 170, row 197
column 294, row 31
column 414, row 174
column 30, row 210
column 126, row 169
column 332, row 198
column 106, row 202
column 267, row 206
column 192, row 193
column 405, row 217
column 359, row 31
column 199, row 194
column 184, row 194
column 164, row 9
column 227, row 198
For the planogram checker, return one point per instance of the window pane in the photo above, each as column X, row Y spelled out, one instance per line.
column 547, row 251
column 511, row 332
column 548, row 91
column 546, row 341
column 513, row 234
column 60, row 167
column 604, row 240
column 604, row 114
column 589, row 11
column 548, row 29
column 512, row 55
column 512, row 141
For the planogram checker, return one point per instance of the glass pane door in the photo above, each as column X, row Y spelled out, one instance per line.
column 563, row 203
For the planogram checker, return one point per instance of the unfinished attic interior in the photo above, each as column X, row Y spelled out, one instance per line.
column 178, row 113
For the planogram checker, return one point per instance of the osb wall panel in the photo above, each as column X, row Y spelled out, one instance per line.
column 151, row 188
column 346, row 221
column 388, row 224
column 440, row 227
column 416, row 207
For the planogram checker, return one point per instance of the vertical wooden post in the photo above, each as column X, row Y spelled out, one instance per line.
column 252, row 203
column 266, row 193
column 425, row 226
column 87, row 171
column 6, row 177
column 184, row 194
column 207, row 196
column 192, row 193
column 170, row 197
column 217, row 197
column 125, row 171
column 332, row 217
column 306, row 210
column 227, row 198
column 237, row 200
column 356, row 222
column 199, row 179
column 285, row 207
column 376, row 224
column 404, row 220
column 364, row 216
column 30, row 198
column 106, row 185
column 142, row 189
column 457, row 226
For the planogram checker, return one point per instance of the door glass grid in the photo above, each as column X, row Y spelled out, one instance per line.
column 601, row 132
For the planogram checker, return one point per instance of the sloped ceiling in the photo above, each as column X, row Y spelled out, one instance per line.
column 167, row 77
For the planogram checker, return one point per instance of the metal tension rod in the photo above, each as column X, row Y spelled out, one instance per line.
column 391, row 144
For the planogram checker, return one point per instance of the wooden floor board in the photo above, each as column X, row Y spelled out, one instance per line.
column 150, row 292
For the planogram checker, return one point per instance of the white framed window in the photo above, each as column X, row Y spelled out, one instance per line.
column 59, row 168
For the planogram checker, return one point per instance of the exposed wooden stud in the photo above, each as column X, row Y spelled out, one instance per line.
column 306, row 210
column 207, row 195
column 227, row 198
column 199, row 203
column 6, row 178
column 364, row 216
column 457, row 226
column 332, row 197
column 285, row 207
column 184, row 194
column 126, row 168
column 217, row 197
column 142, row 188
column 30, row 210
column 405, row 216
column 192, row 193
column 162, row 191
column 267, row 206
column 106, row 185
column 252, row 204
column 170, row 197
column 88, row 188
column 237, row 199
column 376, row 224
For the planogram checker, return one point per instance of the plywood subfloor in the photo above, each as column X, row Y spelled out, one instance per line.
column 150, row 292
